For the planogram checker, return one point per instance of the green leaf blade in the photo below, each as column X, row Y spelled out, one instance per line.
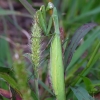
column 81, row 93
column 78, row 35
column 11, row 81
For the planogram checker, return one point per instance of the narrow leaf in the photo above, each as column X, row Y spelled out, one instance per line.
column 88, row 67
column 87, row 43
column 45, row 87
column 4, row 12
column 81, row 93
column 85, row 15
column 11, row 81
column 28, row 7
column 78, row 35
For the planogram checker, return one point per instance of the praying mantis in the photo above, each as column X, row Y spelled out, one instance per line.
column 41, row 19
column 56, row 68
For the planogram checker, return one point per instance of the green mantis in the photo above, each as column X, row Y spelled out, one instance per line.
column 41, row 19
column 56, row 63
column 56, row 69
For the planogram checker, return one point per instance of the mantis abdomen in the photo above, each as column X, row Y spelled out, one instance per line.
column 57, row 69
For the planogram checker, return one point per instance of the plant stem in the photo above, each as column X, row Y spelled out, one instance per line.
column 37, row 88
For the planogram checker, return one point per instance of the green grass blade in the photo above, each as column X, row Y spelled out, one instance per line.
column 80, row 33
column 45, row 87
column 28, row 7
column 83, row 47
column 72, row 11
column 4, row 55
column 81, row 93
column 86, row 70
column 9, row 12
column 11, row 82
column 84, row 15
column 88, row 7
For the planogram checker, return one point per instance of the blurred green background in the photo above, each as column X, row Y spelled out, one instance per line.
column 72, row 14
column 15, row 28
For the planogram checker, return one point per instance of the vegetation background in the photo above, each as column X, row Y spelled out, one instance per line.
column 15, row 33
